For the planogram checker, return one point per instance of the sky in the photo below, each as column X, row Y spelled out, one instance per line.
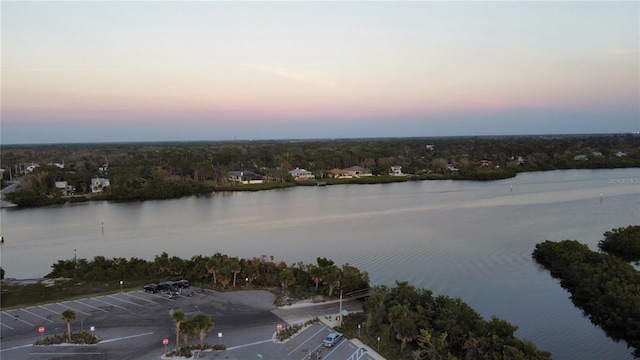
column 129, row 71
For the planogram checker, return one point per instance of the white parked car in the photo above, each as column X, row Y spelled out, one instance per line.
column 332, row 339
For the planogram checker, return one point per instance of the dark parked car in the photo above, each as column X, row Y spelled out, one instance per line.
column 183, row 283
column 152, row 288
column 167, row 286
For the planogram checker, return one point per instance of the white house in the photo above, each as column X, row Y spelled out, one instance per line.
column 396, row 171
column 301, row 174
column 31, row 167
column 98, row 183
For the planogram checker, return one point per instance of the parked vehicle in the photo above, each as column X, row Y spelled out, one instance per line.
column 332, row 339
column 183, row 283
column 167, row 286
column 152, row 288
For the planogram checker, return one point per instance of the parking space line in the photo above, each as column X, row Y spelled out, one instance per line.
column 46, row 308
column 17, row 318
column 69, row 307
column 335, row 348
column 128, row 302
column 16, row 347
column 308, row 339
column 66, row 354
column 251, row 344
column 5, row 325
column 93, row 307
column 125, row 337
column 140, row 298
column 110, row 304
column 36, row 315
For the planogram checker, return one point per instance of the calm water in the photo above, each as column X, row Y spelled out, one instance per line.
column 471, row 240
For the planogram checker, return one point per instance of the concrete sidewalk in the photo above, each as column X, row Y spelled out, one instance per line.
column 373, row 354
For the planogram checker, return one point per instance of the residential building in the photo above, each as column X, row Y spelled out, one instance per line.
column 65, row 188
column 301, row 174
column 357, row 171
column 98, row 183
column 396, row 171
column 339, row 174
column 245, row 177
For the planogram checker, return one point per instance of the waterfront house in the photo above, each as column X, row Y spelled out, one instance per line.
column 357, row 171
column 339, row 174
column 245, row 177
column 301, row 174
column 98, row 184
column 65, row 188
column 396, row 171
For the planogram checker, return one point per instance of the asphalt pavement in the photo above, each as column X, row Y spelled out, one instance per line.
column 133, row 325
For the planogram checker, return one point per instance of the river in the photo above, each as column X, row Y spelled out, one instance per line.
column 464, row 239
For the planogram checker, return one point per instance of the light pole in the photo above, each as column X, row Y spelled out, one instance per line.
column 121, row 285
column 378, row 343
column 340, row 308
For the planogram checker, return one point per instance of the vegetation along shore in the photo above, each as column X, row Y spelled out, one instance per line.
column 411, row 322
column 602, row 284
column 53, row 174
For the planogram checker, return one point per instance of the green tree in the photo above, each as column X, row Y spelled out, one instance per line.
column 287, row 278
column 622, row 242
column 234, row 267
column 202, row 324
column 315, row 272
column 178, row 319
column 68, row 316
column 435, row 348
column 439, row 165
column 375, row 308
column 403, row 322
column 187, row 330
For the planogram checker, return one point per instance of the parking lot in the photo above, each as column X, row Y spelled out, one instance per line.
column 133, row 325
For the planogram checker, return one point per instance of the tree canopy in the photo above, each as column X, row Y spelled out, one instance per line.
column 604, row 286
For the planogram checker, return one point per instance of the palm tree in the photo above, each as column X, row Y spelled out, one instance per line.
column 202, row 324
column 316, row 274
column 403, row 321
column 234, row 266
column 287, row 278
column 68, row 316
column 187, row 329
column 178, row 318
column 212, row 268
column 162, row 263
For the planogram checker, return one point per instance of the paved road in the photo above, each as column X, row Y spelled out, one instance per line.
column 8, row 189
column 132, row 325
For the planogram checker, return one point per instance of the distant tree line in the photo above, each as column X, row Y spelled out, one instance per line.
column 168, row 170
column 603, row 285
